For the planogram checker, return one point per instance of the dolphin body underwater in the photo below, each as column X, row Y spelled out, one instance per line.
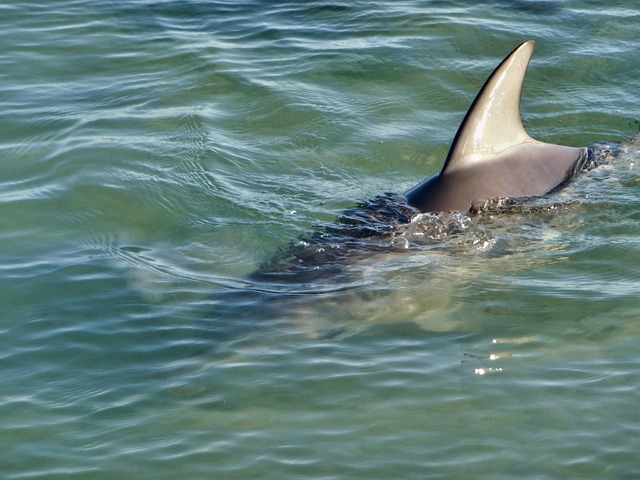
column 492, row 161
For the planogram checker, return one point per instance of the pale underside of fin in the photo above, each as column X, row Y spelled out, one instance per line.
column 492, row 155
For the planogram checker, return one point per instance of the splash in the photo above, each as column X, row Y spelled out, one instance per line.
column 449, row 228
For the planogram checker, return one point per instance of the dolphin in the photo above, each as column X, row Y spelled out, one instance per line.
column 492, row 155
column 491, row 160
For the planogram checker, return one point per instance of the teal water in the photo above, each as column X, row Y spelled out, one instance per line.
column 156, row 153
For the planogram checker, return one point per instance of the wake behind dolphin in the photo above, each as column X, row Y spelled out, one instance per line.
column 493, row 165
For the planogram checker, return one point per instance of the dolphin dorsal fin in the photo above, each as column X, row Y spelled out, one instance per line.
column 493, row 122
column 492, row 155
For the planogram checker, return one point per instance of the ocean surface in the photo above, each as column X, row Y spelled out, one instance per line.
column 156, row 154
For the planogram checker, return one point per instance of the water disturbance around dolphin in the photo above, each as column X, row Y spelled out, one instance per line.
column 492, row 166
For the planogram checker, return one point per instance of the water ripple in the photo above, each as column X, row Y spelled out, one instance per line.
column 155, row 154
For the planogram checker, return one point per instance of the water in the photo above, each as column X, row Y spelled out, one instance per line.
column 155, row 154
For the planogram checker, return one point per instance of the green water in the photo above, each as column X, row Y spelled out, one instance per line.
column 154, row 154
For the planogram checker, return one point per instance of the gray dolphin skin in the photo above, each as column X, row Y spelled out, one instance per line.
column 491, row 155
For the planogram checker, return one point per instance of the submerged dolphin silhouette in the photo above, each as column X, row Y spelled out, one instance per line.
column 491, row 155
